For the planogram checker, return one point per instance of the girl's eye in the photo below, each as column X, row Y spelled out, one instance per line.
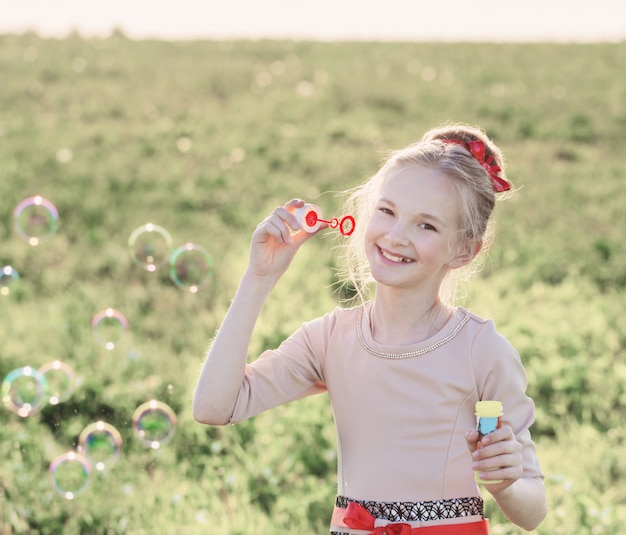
column 427, row 226
column 385, row 210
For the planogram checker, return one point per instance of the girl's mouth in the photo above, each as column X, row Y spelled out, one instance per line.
column 393, row 258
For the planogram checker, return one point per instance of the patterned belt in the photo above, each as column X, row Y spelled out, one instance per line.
column 399, row 513
column 418, row 511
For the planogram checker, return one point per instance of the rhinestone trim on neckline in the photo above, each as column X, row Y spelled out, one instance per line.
column 410, row 354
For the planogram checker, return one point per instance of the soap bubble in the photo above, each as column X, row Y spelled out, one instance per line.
column 154, row 423
column 108, row 327
column 191, row 267
column 101, row 443
column 70, row 474
column 8, row 277
column 35, row 219
column 24, row 391
column 150, row 246
column 60, row 379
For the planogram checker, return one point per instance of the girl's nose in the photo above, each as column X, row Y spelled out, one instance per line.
column 397, row 234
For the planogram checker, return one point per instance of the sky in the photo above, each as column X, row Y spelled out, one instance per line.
column 328, row 20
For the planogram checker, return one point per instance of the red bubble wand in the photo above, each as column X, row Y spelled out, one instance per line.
column 310, row 217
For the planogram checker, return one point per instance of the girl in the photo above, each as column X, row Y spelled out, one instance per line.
column 405, row 368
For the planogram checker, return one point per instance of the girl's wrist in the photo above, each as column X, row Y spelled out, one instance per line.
column 258, row 283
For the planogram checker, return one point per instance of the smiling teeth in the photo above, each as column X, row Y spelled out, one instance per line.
column 394, row 258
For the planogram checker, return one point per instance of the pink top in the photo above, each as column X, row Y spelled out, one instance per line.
column 401, row 412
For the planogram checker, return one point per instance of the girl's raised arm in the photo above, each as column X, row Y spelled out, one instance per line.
column 273, row 247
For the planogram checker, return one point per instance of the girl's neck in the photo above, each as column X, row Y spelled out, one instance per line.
column 408, row 321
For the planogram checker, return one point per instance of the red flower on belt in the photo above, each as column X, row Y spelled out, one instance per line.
column 357, row 517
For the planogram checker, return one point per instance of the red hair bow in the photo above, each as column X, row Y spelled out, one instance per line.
column 477, row 149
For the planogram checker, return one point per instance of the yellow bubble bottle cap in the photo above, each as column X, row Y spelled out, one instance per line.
column 489, row 409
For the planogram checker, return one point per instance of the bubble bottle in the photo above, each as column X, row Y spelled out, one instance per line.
column 309, row 217
column 488, row 419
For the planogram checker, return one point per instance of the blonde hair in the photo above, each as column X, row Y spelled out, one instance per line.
column 471, row 182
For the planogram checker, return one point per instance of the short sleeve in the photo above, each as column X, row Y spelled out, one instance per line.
column 290, row 372
column 500, row 375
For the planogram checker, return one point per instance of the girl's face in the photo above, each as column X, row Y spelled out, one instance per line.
column 411, row 237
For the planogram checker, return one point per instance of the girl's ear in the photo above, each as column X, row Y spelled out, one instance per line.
column 467, row 253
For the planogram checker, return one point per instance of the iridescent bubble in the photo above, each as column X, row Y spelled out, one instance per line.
column 70, row 474
column 154, row 423
column 191, row 267
column 60, row 379
column 150, row 246
column 108, row 327
column 24, row 391
column 101, row 443
column 8, row 277
column 35, row 219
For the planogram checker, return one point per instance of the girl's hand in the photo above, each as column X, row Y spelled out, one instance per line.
column 275, row 241
column 498, row 458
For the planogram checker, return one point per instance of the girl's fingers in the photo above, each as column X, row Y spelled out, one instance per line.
column 500, row 461
column 288, row 219
column 495, row 473
column 278, row 225
column 493, row 449
column 278, row 231
column 281, row 227
column 500, row 456
column 471, row 437
column 294, row 203
column 499, row 435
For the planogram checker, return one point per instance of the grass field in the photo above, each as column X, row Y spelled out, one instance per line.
column 204, row 139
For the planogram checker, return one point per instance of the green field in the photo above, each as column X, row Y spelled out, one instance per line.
column 204, row 139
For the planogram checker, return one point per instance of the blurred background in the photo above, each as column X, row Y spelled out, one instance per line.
column 395, row 20
column 140, row 145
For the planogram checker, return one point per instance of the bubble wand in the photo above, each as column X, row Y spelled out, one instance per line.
column 310, row 218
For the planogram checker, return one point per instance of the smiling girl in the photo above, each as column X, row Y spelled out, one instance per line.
column 405, row 368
